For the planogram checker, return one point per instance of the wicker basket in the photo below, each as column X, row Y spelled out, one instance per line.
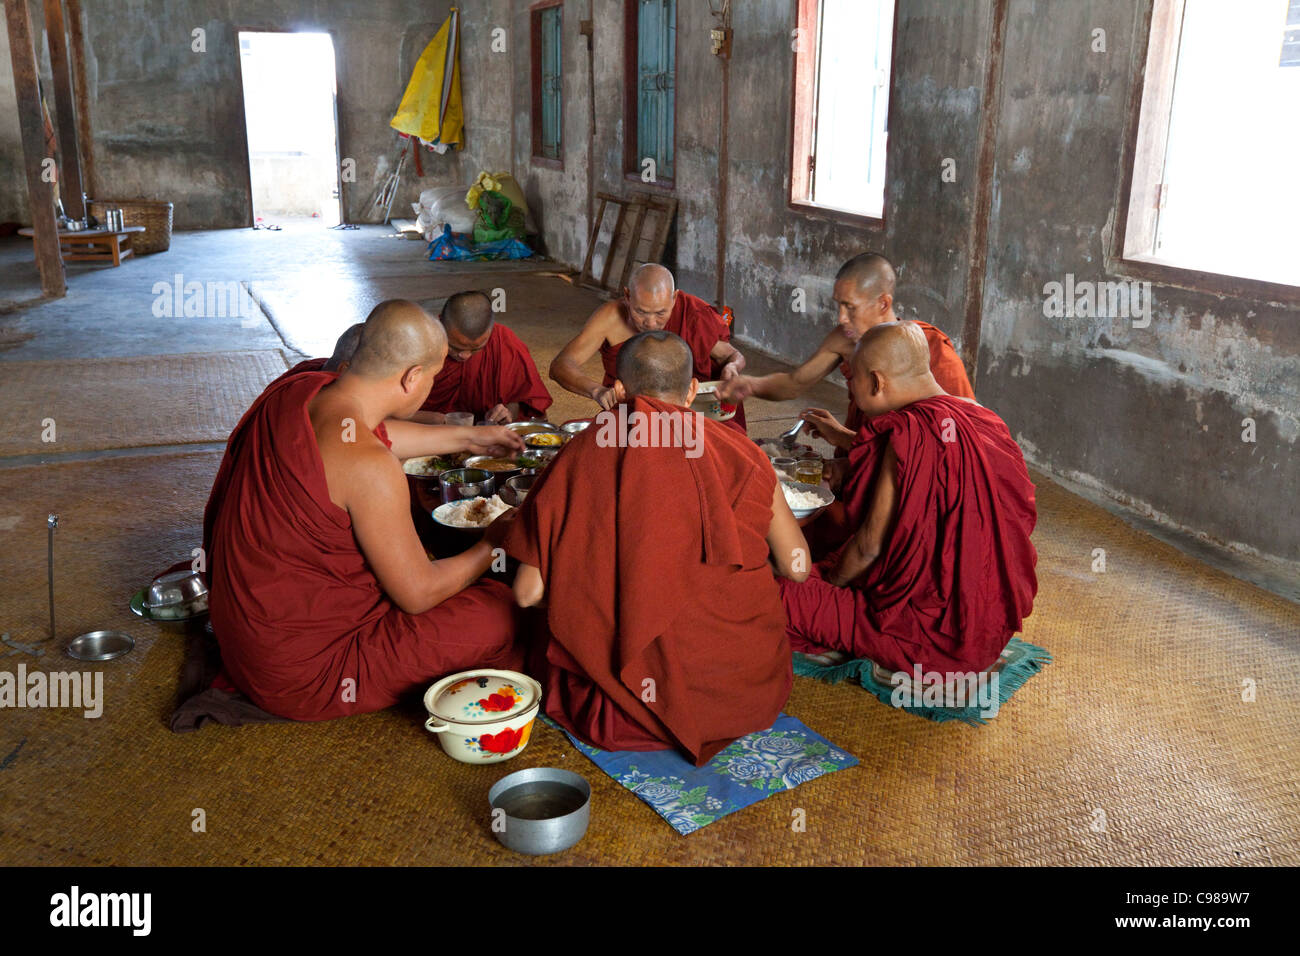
column 156, row 217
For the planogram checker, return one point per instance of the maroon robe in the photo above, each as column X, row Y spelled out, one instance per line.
column 305, row 630
column 500, row 373
column 640, row 587
column 702, row 327
column 955, row 577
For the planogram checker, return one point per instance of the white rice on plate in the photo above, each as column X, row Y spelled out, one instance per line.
column 801, row 500
column 472, row 512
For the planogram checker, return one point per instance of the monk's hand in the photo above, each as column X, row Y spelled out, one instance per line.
column 498, row 415
column 496, row 531
column 732, row 369
column 605, row 397
column 826, row 426
column 735, row 388
column 494, row 440
column 834, row 470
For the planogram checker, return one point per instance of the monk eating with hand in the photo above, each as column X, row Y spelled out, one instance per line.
column 650, row 302
column 489, row 371
column 650, row 538
column 939, row 569
column 322, row 599
column 864, row 298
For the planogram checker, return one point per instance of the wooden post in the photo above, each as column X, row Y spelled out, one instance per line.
column 56, row 33
column 81, row 90
column 31, row 122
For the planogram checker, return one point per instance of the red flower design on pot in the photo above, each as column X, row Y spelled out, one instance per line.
column 497, row 702
column 503, row 742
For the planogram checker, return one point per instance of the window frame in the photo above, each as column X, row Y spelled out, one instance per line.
column 1142, row 159
column 802, row 123
column 535, row 82
column 631, row 80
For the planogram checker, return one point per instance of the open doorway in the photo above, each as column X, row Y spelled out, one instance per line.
column 289, row 109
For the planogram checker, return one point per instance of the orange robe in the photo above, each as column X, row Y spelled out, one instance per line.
column 664, row 625
column 945, row 364
column 305, row 630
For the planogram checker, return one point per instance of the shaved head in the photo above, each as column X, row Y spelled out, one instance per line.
column 650, row 278
column 657, row 365
column 896, row 349
column 870, row 273
column 344, row 347
column 469, row 314
column 651, row 297
column 396, row 336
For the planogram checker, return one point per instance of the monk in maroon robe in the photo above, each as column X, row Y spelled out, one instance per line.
column 650, row 302
column 864, row 298
column 939, row 569
column 650, row 537
column 322, row 598
column 489, row 371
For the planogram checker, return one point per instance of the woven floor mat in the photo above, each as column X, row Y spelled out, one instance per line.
column 129, row 402
column 1134, row 747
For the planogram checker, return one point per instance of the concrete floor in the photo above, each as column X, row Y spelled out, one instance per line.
column 1188, row 773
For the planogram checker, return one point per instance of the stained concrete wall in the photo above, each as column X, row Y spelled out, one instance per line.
column 169, row 121
column 1149, row 417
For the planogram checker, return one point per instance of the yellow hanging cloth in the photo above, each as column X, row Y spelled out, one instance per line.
column 431, row 107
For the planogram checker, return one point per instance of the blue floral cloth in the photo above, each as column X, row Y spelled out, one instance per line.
column 751, row 769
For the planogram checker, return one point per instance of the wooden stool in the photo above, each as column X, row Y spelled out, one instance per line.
column 94, row 245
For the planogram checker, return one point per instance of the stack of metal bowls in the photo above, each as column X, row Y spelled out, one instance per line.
column 177, row 596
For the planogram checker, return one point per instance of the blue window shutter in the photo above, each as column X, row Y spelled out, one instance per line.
column 551, row 82
column 656, row 56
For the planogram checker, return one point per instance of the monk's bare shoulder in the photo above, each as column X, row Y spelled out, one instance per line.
column 839, row 343
column 610, row 322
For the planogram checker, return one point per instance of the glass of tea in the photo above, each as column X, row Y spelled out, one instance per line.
column 808, row 471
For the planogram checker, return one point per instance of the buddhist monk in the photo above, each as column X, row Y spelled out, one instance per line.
column 864, row 297
column 488, row 373
column 322, row 598
column 651, row 301
column 339, row 361
column 939, row 569
column 650, row 537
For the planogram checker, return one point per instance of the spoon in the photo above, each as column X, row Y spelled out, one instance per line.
column 790, row 434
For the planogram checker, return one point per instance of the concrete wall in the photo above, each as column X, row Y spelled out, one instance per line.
column 1150, row 417
column 169, row 121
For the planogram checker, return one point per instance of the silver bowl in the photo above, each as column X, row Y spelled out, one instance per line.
column 177, row 595
column 529, row 440
column 466, row 483
column 516, row 489
column 540, row 810
column 574, row 427
column 528, row 428
column 100, row 645
column 501, row 474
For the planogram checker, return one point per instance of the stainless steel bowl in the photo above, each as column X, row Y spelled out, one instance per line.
column 528, row 428
column 501, row 475
column 100, row 645
column 530, row 440
column 516, row 489
column 177, row 594
column 540, row 810
column 574, row 427
column 466, row 483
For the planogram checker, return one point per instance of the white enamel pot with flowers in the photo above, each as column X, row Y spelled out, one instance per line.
column 483, row 716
